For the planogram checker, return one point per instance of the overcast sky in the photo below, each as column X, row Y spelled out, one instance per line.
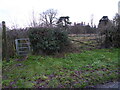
column 20, row 11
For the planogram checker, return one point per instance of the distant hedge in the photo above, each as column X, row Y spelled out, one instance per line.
column 48, row 40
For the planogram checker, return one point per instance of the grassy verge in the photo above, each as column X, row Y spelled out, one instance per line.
column 74, row 70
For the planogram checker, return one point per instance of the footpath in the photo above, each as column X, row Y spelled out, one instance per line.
column 109, row 85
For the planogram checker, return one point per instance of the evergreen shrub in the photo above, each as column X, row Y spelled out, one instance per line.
column 48, row 40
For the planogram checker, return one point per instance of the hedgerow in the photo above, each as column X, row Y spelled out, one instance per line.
column 48, row 40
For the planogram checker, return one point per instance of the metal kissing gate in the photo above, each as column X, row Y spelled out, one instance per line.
column 22, row 46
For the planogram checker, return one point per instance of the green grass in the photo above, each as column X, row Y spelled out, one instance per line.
column 74, row 70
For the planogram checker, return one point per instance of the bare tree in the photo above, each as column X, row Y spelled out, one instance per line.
column 116, row 20
column 48, row 18
column 14, row 24
column 33, row 22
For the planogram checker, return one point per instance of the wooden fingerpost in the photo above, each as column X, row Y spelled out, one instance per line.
column 4, row 43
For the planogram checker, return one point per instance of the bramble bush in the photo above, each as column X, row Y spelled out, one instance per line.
column 48, row 40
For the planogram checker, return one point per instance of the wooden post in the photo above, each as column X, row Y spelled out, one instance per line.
column 4, row 43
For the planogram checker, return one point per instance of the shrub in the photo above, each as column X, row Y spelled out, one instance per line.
column 11, row 36
column 112, row 34
column 48, row 40
column 111, row 39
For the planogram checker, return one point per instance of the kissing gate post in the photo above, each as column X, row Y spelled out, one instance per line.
column 22, row 46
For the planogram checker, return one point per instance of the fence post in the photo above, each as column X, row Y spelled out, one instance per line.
column 4, row 43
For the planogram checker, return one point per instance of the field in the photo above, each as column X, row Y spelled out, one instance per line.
column 86, row 68
column 73, row 70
